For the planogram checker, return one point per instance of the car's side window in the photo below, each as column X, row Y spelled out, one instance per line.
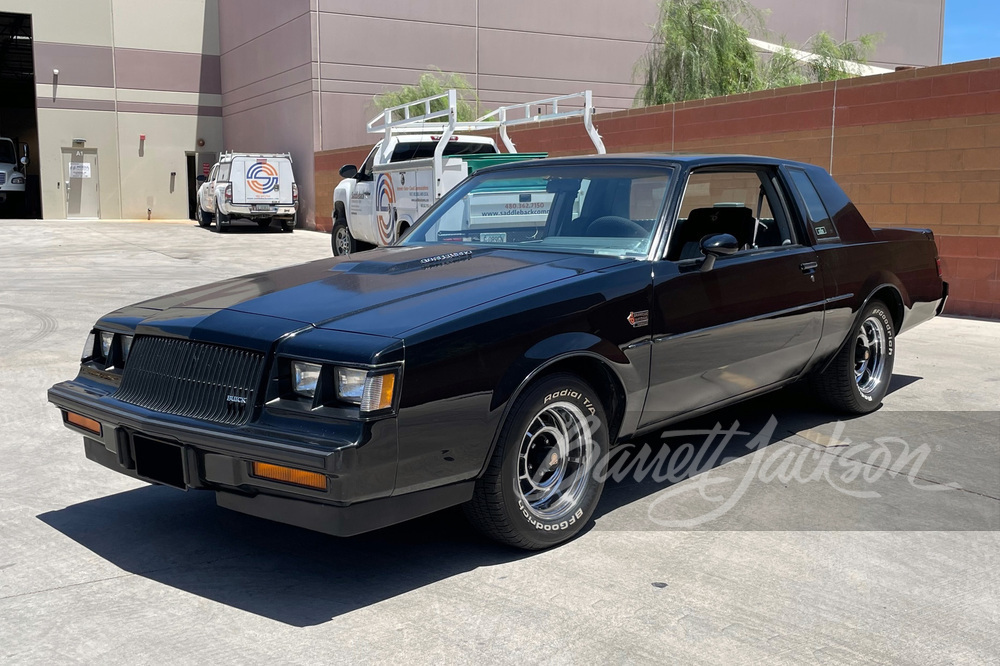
column 215, row 171
column 743, row 203
column 365, row 172
column 223, row 175
column 819, row 217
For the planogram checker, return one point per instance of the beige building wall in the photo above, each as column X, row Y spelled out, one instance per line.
column 126, row 68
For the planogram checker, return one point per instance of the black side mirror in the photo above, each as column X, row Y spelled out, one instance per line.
column 348, row 171
column 715, row 246
column 201, row 179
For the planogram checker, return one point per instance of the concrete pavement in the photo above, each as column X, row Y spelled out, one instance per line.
column 797, row 543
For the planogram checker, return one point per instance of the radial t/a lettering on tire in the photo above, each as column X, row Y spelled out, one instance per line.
column 858, row 378
column 545, row 477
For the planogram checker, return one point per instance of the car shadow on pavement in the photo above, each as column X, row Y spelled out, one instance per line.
column 794, row 410
column 304, row 578
column 292, row 575
column 238, row 227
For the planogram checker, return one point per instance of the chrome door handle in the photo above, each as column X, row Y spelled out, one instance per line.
column 809, row 266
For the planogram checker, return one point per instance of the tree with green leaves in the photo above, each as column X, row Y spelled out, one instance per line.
column 839, row 60
column 432, row 83
column 701, row 48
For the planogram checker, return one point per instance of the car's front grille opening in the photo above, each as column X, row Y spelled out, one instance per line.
column 193, row 379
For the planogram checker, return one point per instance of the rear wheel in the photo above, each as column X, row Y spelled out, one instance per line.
column 858, row 378
column 341, row 239
column 221, row 221
column 288, row 226
column 547, row 472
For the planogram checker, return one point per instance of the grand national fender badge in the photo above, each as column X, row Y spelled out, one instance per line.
column 639, row 318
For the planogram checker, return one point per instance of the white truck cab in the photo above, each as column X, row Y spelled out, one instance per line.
column 12, row 175
column 420, row 158
column 253, row 186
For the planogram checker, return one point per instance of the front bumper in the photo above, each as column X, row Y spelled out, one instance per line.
column 358, row 460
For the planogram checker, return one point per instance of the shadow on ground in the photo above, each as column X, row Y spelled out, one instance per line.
column 304, row 578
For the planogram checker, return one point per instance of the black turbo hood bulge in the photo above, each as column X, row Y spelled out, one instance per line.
column 384, row 292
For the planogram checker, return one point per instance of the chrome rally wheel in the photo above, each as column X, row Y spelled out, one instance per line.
column 869, row 355
column 553, row 461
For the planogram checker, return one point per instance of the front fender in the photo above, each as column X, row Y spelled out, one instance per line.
column 628, row 367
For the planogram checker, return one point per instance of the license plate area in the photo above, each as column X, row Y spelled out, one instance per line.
column 264, row 208
column 158, row 461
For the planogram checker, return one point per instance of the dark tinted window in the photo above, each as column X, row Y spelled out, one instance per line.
column 819, row 218
column 425, row 149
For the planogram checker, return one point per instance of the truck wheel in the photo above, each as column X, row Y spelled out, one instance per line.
column 264, row 222
column 288, row 226
column 547, row 473
column 858, row 377
column 204, row 219
column 341, row 239
column 221, row 221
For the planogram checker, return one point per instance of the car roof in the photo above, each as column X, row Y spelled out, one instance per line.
column 682, row 159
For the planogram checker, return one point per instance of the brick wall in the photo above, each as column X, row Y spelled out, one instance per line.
column 913, row 148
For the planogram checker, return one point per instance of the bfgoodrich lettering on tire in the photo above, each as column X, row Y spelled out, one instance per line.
column 544, row 480
column 858, row 377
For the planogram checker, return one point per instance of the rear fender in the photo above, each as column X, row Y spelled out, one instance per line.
column 882, row 285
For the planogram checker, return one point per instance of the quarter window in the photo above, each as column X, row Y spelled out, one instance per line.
column 819, row 218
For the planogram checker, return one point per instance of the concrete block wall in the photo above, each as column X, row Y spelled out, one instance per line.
column 917, row 148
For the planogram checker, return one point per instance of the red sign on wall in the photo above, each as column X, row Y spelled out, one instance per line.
column 206, row 168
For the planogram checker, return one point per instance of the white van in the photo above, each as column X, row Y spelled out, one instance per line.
column 258, row 187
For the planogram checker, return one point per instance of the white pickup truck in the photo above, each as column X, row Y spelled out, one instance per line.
column 12, row 176
column 258, row 187
column 420, row 158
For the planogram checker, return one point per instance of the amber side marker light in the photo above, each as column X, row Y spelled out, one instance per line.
column 297, row 477
column 80, row 421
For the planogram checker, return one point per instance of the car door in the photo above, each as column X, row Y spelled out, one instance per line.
column 362, row 204
column 207, row 191
column 752, row 320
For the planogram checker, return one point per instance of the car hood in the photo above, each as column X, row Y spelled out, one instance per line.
column 387, row 291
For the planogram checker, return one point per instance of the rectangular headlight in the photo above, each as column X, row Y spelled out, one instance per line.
column 107, row 339
column 305, row 377
column 126, row 341
column 351, row 384
column 88, row 349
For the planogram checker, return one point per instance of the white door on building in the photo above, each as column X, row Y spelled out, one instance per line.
column 81, row 183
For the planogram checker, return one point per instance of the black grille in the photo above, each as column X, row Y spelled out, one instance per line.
column 192, row 379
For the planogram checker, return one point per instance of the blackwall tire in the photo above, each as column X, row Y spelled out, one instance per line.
column 858, row 378
column 204, row 219
column 545, row 477
column 220, row 220
column 341, row 240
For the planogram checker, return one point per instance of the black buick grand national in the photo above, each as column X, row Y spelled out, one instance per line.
column 537, row 315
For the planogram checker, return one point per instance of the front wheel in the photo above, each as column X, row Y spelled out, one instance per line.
column 547, row 473
column 204, row 219
column 857, row 379
column 341, row 239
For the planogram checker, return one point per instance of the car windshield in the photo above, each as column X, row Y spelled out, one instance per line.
column 7, row 155
column 593, row 209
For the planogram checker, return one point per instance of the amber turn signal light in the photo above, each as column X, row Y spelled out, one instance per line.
column 81, row 421
column 298, row 477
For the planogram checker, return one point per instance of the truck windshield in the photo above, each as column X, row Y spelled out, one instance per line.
column 593, row 209
column 7, row 155
column 419, row 150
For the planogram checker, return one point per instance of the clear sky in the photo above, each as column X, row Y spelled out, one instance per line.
column 971, row 30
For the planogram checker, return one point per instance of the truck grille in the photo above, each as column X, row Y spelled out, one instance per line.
column 3, row 177
column 192, row 379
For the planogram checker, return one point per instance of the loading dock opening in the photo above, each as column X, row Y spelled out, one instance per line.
column 19, row 191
